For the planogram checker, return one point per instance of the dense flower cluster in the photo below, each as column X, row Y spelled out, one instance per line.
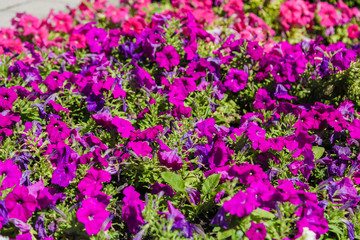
column 185, row 119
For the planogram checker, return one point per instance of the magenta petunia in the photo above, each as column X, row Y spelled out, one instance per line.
column 241, row 204
column 140, row 148
column 132, row 208
column 170, row 159
column 20, row 203
column 92, row 214
column 11, row 174
column 93, row 180
column 123, row 126
column 57, row 130
column 236, row 80
column 7, row 98
column 96, row 38
column 168, row 57
column 257, row 231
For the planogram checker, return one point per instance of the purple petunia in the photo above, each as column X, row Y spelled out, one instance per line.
column 63, row 174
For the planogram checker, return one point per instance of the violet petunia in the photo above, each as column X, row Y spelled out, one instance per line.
column 64, row 174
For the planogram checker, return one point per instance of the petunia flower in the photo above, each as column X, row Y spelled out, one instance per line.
column 20, row 203
column 236, row 80
column 241, row 204
column 170, row 159
column 63, row 174
column 7, row 98
column 257, row 231
column 10, row 173
column 132, row 208
column 123, row 126
column 168, row 57
column 93, row 180
column 96, row 38
column 92, row 214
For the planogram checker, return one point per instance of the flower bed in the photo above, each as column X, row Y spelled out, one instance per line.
column 190, row 119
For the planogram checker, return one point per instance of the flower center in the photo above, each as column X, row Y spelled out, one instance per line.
column 20, row 201
column 91, row 217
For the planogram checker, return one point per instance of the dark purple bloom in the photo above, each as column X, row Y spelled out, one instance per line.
column 166, row 189
column 40, row 227
column 128, row 49
column 170, row 159
column 63, row 174
column 350, row 228
column 324, row 67
column 95, row 103
column 194, row 195
column 179, row 221
column 4, row 216
column 220, row 219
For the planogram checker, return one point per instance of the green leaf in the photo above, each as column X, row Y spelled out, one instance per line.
column 335, row 229
column 174, row 180
column 318, row 152
column 225, row 234
column 210, row 183
column 261, row 213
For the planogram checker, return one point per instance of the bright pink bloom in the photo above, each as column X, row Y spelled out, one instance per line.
column 241, row 204
column 327, row 14
column 296, row 12
column 123, row 126
column 353, row 31
column 234, row 7
column 63, row 22
column 116, row 14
